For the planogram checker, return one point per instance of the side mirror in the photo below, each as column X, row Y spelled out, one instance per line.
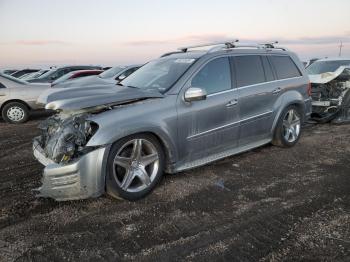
column 195, row 94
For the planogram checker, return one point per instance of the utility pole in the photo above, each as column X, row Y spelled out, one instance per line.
column 340, row 47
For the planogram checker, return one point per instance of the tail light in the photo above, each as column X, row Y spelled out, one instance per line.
column 309, row 89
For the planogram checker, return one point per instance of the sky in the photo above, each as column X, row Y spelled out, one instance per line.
column 41, row 33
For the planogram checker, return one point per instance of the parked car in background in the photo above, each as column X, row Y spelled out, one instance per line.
column 22, row 72
column 34, row 75
column 76, row 75
column 330, row 80
column 311, row 61
column 56, row 73
column 8, row 71
column 18, row 98
column 174, row 113
column 110, row 76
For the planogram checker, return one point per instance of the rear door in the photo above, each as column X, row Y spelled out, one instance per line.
column 257, row 95
column 209, row 126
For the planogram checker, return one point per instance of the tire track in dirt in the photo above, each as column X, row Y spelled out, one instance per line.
column 266, row 204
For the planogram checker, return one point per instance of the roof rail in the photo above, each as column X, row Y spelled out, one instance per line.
column 268, row 45
column 228, row 44
column 233, row 44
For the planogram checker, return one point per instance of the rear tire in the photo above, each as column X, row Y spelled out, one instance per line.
column 288, row 130
column 15, row 113
column 134, row 167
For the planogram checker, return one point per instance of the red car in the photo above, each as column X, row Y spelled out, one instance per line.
column 76, row 74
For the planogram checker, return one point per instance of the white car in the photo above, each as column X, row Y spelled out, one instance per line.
column 330, row 82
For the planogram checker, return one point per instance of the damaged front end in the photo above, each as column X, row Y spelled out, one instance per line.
column 72, row 169
column 331, row 96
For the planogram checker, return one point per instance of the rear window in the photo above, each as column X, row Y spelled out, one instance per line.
column 284, row 67
column 249, row 70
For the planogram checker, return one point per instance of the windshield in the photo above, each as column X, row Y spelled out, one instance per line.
column 110, row 73
column 321, row 67
column 14, row 79
column 49, row 72
column 158, row 74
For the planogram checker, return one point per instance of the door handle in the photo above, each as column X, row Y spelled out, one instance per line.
column 232, row 103
column 276, row 91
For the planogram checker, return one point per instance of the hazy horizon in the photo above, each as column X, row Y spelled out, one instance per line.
column 45, row 33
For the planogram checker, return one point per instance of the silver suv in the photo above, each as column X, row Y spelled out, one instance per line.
column 177, row 112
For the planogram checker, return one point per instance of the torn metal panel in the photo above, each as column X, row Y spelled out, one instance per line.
column 73, row 99
column 331, row 96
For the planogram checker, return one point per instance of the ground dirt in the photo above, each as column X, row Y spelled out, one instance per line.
column 269, row 204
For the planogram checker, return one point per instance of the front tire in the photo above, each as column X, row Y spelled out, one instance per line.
column 289, row 126
column 15, row 113
column 134, row 167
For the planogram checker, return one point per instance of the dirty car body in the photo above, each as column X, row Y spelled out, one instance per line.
column 330, row 80
column 76, row 144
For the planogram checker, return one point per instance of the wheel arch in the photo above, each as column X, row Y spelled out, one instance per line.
column 167, row 149
column 288, row 99
column 166, row 143
column 13, row 101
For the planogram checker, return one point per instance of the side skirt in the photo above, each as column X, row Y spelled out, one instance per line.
column 214, row 157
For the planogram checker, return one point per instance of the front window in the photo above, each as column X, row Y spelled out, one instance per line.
column 214, row 77
column 321, row 67
column 110, row 73
column 160, row 74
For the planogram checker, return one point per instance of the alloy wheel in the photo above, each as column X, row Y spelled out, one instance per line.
column 136, row 165
column 291, row 126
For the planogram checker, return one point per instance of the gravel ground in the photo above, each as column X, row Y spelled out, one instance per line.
column 269, row 204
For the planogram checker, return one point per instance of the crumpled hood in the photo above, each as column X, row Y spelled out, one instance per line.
column 328, row 76
column 72, row 99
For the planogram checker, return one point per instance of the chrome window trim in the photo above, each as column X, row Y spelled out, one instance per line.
column 222, row 92
column 243, row 87
column 227, row 125
column 268, row 82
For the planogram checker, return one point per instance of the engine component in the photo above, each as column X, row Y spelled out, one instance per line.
column 63, row 137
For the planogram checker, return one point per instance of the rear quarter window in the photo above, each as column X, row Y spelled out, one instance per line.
column 2, row 86
column 284, row 67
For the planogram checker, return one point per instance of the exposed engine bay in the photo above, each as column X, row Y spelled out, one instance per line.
column 331, row 96
column 63, row 137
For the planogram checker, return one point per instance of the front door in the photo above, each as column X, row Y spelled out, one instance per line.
column 209, row 126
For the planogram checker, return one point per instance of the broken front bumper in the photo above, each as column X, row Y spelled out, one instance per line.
column 83, row 178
